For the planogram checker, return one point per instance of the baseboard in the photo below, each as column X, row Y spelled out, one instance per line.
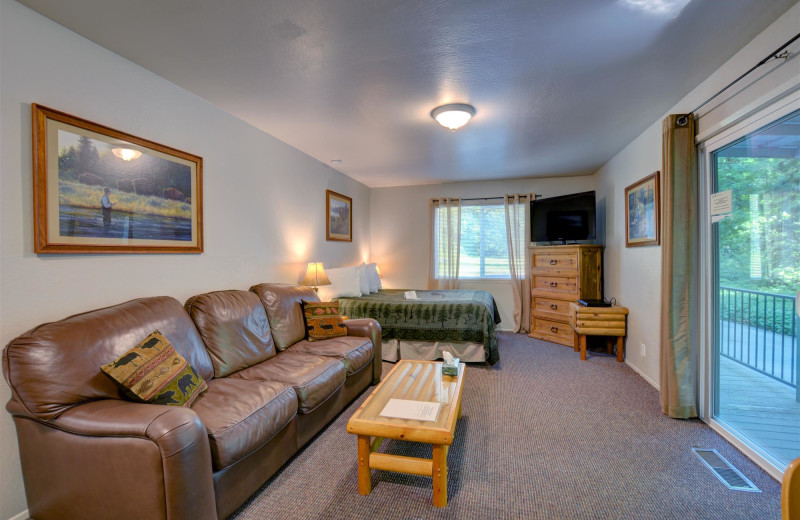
column 644, row 376
column 21, row 516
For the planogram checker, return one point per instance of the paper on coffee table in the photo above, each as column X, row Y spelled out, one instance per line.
column 416, row 410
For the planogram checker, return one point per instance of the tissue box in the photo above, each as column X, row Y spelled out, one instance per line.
column 450, row 369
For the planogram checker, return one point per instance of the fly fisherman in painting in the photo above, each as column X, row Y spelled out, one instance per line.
column 105, row 208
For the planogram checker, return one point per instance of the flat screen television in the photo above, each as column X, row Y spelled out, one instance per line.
column 562, row 219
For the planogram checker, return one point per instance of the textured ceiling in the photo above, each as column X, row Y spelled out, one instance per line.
column 560, row 86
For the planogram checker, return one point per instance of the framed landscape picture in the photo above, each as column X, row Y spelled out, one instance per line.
column 99, row 190
column 643, row 212
column 339, row 217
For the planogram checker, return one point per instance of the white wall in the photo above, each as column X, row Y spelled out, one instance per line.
column 401, row 219
column 264, row 201
column 633, row 275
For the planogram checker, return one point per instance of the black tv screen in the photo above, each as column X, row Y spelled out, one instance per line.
column 564, row 218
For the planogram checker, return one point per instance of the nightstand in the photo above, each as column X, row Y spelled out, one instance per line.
column 598, row 321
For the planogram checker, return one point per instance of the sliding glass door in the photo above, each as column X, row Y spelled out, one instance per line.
column 755, row 278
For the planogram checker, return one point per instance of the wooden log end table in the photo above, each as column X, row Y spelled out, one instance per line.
column 598, row 321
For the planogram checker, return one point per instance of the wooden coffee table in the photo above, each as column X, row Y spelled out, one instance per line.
column 416, row 381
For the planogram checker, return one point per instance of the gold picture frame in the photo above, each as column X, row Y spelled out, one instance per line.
column 643, row 212
column 338, row 217
column 100, row 190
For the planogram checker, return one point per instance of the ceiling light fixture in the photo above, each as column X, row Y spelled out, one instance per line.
column 453, row 116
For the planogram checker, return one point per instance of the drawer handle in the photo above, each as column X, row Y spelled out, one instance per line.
column 553, row 284
column 553, row 306
column 554, row 329
column 553, row 262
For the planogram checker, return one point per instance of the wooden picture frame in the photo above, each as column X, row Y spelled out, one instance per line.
column 100, row 190
column 338, row 217
column 643, row 212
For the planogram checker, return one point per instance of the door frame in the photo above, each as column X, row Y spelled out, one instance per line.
column 708, row 370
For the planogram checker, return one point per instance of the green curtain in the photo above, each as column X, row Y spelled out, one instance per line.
column 679, row 269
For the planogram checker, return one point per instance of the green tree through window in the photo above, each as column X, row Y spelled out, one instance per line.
column 484, row 246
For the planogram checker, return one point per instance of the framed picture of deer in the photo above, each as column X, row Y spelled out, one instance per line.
column 339, row 217
column 100, row 190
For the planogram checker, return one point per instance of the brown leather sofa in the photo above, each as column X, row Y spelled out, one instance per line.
column 88, row 452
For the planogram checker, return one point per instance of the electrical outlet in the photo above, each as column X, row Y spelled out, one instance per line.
column 644, row 350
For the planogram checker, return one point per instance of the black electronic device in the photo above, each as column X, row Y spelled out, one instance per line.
column 594, row 303
column 564, row 218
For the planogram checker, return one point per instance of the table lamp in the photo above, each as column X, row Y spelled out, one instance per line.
column 315, row 276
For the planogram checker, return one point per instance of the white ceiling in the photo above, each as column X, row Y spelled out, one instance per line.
column 560, row 86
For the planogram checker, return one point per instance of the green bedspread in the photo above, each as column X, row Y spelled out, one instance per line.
column 433, row 316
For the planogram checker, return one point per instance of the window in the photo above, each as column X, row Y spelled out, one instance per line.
column 754, row 275
column 484, row 246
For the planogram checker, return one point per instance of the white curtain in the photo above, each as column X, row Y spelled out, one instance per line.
column 517, row 222
column 445, row 244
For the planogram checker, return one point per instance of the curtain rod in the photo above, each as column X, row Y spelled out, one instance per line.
column 773, row 55
column 537, row 196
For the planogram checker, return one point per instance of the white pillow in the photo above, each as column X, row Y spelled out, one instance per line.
column 344, row 282
column 363, row 279
column 372, row 276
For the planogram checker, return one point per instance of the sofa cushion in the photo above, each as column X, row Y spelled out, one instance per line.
column 355, row 352
column 323, row 320
column 55, row 365
column 234, row 328
column 240, row 416
column 314, row 378
column 282, row 303
column 153, row 372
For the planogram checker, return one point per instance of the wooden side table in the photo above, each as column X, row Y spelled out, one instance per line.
column 597, row 321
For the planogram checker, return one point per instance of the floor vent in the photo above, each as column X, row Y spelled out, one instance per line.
column 725, row 471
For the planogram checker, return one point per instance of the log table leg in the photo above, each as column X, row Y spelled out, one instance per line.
column 440, row 475
column 364, row 477
column 575, row 341
column 609, row 348
column 620, row 341
column 583, row 347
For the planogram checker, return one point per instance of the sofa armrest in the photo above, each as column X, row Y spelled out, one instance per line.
column 122, row 429
column 369, row 328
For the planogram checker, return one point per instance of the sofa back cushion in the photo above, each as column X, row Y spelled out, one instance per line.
column 282, row 303
column 234, row 328
column 56, row 366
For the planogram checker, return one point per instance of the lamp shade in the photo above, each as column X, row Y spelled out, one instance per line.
column 315, row 275
column 378, row 270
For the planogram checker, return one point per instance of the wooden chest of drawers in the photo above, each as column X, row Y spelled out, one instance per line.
column 561, row 275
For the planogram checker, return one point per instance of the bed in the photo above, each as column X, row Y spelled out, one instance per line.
column 463, row 322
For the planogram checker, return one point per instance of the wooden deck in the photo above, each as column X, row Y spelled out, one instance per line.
column 761, row 409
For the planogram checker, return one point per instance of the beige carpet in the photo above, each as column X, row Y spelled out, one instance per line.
column 543, row 436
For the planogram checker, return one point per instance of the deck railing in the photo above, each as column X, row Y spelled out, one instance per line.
column 760, row 331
